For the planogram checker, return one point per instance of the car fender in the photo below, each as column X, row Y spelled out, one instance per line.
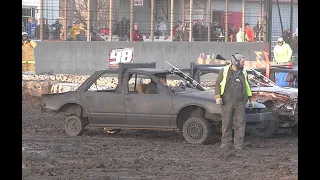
column 257, row 105
column 78, row 103
column 192, row 104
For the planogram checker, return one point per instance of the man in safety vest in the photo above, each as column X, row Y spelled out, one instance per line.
column 28, row 60
column 282, row 52
column 232, row 92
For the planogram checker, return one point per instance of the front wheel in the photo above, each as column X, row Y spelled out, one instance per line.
column 74, row 126
column 265, row 129
column 197, row 130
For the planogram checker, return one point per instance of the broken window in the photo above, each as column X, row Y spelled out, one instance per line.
column 106, row 82
column 138, row 83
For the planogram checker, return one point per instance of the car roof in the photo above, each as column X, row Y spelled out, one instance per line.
column 148, row 70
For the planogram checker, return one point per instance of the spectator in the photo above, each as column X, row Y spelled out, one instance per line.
column 286, row 36
column 282, row 52
column 240, row 35
column 249, row 32
column 56, row 29
column 105, row 31
column 74, row 31
column 96, row 37
column 161, row 27
column 137, row 36
column 262, row 27
column 45, row 30
column 232, row 33
column 181, row 35
column 31, row 28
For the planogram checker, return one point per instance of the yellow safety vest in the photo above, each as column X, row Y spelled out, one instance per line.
column 224, row 80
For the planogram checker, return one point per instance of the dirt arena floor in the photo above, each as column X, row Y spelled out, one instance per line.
column 48, row 153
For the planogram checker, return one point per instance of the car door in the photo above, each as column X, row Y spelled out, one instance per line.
column 105, row 106
column 148, row 110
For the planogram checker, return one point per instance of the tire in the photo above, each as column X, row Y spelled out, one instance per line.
column 264, row 129
column 111, row 131
column 74, row 126
column 197, row 130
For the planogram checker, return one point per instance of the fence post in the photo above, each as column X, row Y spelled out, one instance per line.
column 171, row 19
column 226, row 22
column 41, row 20
column 110, row 19
column 152, row 21
column 190, row 17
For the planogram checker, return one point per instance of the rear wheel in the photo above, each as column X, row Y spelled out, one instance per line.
column 197, row 130
column 74, row 126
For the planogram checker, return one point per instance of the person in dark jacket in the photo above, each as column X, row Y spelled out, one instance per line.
column 137, row 35
column 232, row 92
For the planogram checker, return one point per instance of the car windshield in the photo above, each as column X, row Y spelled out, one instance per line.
column 257, row 80
column 180, row 82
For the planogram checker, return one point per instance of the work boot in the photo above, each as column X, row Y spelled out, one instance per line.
column 225, row 146
column 238, row 148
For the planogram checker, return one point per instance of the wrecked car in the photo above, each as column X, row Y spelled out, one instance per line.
column 128, row 105
column 283, row 102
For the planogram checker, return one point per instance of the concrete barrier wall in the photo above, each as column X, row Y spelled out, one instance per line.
column 87, row 57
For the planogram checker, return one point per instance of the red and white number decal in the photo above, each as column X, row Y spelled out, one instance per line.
column 117, row 56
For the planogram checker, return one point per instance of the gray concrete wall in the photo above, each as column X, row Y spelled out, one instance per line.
column 87, row 57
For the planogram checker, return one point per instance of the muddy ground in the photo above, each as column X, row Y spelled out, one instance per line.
column 48, row 153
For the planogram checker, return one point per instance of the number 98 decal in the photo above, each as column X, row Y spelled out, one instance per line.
column 124, row 55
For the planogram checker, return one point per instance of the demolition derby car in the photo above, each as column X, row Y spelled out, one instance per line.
column 282, row 101
column 127, row 105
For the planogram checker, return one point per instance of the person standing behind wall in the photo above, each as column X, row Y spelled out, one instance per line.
column 282, row 52
column 249, row 32
column 28, row 60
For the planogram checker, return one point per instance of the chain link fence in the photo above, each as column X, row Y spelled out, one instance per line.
column 153, row 20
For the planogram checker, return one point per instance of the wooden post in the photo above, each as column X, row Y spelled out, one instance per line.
column 243, row 21
column 110, row 19
column 209, row 18
column 88, row 19
column 41, row 20
column 171, row 19
column 66, row 19
column 260, row 20
column 131, row 19
column 226, row 23
column 183, row 12
column 152, row 21
column 190, row 17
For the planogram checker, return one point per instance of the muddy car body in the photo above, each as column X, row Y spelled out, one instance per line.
column 283, row 102
column 190, row 108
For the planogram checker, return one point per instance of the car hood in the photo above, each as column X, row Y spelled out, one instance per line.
column 292, row 92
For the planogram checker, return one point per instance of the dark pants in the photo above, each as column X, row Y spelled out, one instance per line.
column 233, row 114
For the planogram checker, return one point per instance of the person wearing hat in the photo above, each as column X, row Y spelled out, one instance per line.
column 282, row 52
column 232, row 92
column 28, row 60
column 152, row 86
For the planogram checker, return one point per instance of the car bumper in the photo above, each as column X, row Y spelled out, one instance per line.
column 258, row 117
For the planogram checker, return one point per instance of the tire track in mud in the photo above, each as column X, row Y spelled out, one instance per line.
column 50, row 154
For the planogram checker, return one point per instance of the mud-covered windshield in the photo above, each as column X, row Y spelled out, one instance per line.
column 187, row 80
